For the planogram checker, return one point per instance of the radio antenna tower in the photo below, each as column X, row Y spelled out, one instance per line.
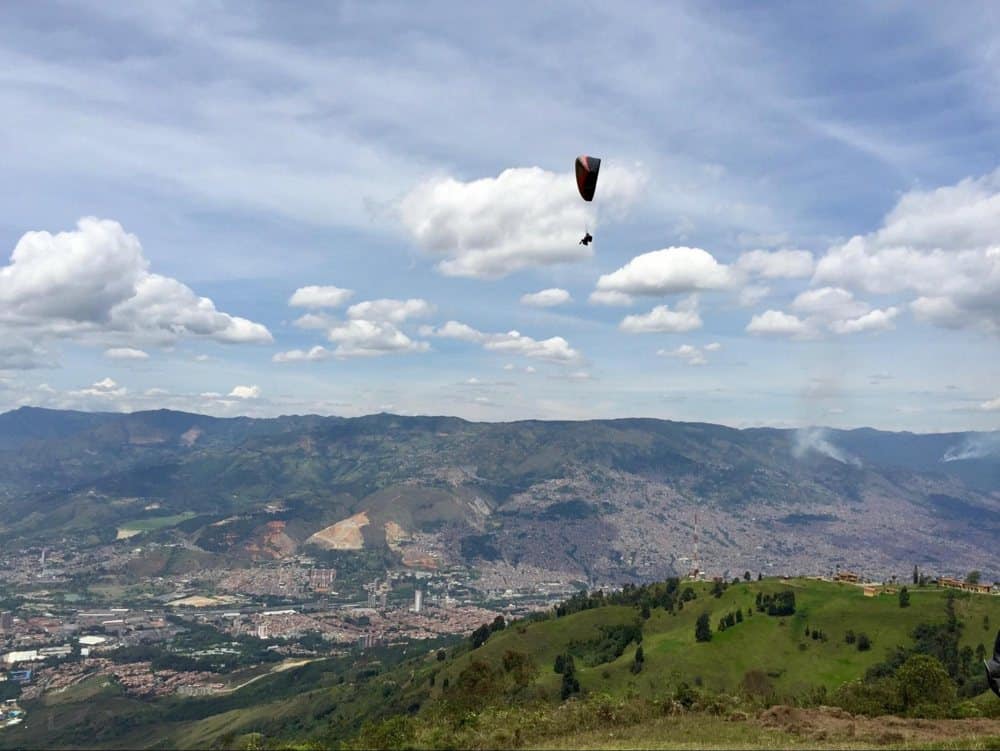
column 696, row 570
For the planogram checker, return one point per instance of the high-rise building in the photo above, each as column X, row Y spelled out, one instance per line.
column 418, row 600
column 6, row 621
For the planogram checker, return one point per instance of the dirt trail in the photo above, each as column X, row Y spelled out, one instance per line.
column 832, row 724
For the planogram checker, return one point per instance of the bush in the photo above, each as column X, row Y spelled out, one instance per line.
column 702, row 629
column 922, row 681
column 864, row 643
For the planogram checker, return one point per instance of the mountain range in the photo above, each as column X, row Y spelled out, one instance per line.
column 597, row 501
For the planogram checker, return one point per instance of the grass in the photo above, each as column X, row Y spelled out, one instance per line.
column 156, row 522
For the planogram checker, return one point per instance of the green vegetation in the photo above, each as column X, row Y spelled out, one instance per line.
column 153, row 523
column 575, row 679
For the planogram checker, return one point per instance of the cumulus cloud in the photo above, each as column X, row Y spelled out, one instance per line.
column 599, row 297
column 96, row 280
column 941, row 245
column 752, row 294
column 691, row 354
column 105, row 388
column 779, row 324
column 662, row 319
column 125, row 353
column 362, row 338
column 829, row 302
column 554, row 349
column 245, row 392
column 668, row 271
column 992, row 405
column 525, row 217
column 777, row 264
column 320, row 297
column 315, row 354
column 875, row 320
column 546, row 298
column 393, row 311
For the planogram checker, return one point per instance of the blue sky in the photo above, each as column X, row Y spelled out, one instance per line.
column 797, row 220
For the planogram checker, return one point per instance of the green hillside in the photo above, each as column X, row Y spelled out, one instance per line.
column 506, row 692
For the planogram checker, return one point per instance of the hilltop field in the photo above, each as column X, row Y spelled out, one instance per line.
column 640, row 677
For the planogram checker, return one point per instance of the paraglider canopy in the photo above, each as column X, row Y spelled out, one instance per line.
column 587, row 168
column 993, row 668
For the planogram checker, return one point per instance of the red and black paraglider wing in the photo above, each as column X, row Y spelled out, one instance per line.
column 587, row 168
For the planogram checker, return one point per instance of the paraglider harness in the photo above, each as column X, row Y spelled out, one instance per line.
column 587, row 239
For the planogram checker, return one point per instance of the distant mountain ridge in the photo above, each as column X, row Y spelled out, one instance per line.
column 595, row 499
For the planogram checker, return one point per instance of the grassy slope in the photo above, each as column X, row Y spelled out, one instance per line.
column 329, row 699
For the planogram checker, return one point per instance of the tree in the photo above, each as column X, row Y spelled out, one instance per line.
column 849, row 637
column 480, row 635
column 904, row 598
column 570, row 683
column 640, row 658
column 980, row 652
column 560, row 664
column 760, row 576
column 864, row 643
column 702, row 629
column 916, row 575
column 746, row 576
column 644, row 612
column 922, row 680
column 441, row 656
column 972, row 577
column 499, row 624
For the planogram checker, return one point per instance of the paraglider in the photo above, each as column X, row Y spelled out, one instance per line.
column 993, row 668
column 587, row 169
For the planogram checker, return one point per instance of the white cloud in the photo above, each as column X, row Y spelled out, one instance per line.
column 125, row 353
column 991, row 406
column 778, row 323
column 525, row 217
column 875, row 320
column 687, row 352
column 554, row 349
column 96, row 280
column 105, row 388
column 941, row 245
column 245, row 392
column 546, row 298
column 314, row 321
column 320, row 297
column 598, row 297
column 667, row 271
column 361, row 338
column 662, row 319
column 713, row 347
column 752, row 294
column 777, row 264
column 393, row 311
column 315, row 354
column 829, row 302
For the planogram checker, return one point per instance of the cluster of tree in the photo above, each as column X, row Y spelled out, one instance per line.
column 481, row 683
column 779, row 603
column 816, row 634
column 667, row 594
column 918, row 686
column 481, row 634
column 942, row 642
column 730, row 619
column 861, row 641
column 570, row 683
column 608, row 645
column 904, row 598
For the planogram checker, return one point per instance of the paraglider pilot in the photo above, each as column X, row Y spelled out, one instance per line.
column 587, row 239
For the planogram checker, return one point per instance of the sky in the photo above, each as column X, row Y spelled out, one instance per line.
column 263, row 208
